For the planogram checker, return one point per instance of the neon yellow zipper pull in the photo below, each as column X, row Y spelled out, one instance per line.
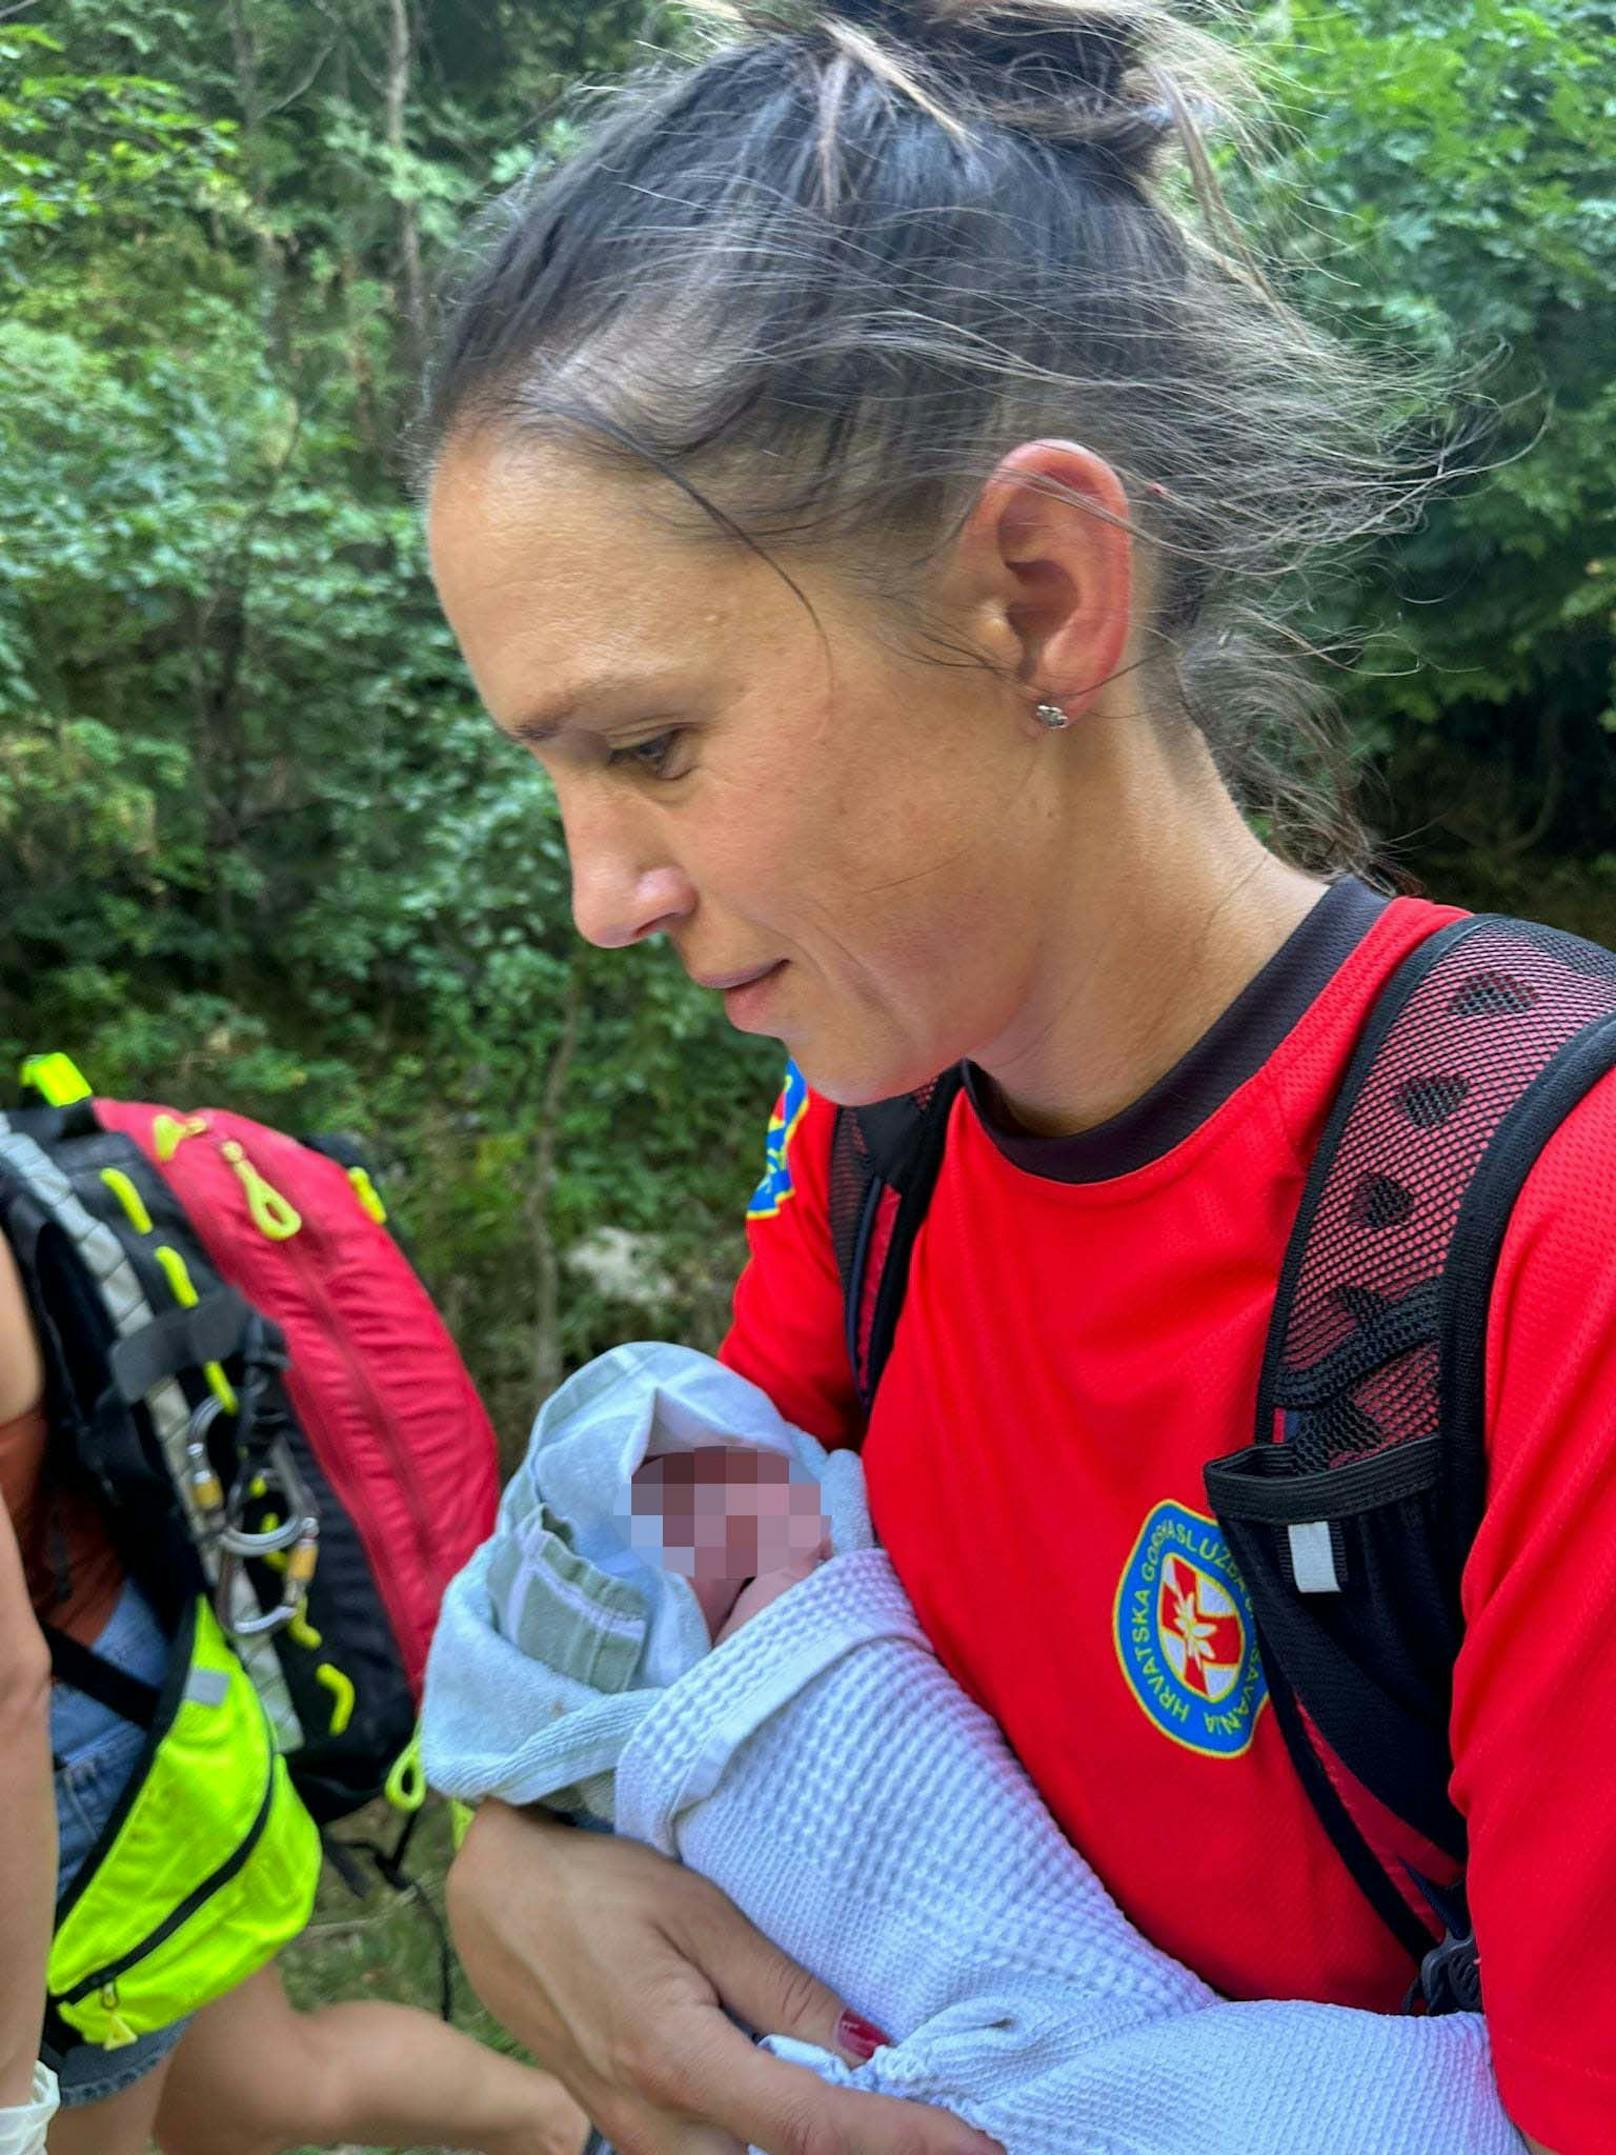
column 368, row 1195
column 272, row 1214
column 169, row 1133
column 119, row 2034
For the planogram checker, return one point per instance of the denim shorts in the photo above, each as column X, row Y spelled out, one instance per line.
column 95, row 1753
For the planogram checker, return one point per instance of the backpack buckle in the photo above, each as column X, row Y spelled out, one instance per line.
column 1449, row 1980
column 1450, row 1975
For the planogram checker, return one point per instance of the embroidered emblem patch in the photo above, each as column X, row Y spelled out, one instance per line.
column 776, row 1186
column 1185, row 1635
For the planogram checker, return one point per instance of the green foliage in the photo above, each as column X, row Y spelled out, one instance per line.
column 257, row 842
column 1445, row 195
column 84, row 155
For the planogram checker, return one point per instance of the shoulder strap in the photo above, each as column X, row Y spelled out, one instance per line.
column 884, row 1164
column 136, row 1328
column 125, row 1695
column 1352, row 1513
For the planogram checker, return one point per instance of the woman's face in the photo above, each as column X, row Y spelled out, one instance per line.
column 860, row 849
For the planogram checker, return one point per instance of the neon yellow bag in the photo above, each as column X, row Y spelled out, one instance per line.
column 204, row 1871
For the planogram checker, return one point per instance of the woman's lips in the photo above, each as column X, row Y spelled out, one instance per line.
column 742, row 1003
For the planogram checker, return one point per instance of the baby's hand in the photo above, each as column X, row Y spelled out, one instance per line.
column 769, row 1586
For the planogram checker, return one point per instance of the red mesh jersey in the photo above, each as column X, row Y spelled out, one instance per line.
column 1083, row 1331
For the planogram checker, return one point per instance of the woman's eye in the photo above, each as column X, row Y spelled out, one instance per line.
column 654, row 757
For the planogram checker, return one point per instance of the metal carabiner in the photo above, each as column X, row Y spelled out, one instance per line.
column 303, row 1554
column 201, row 1477
column 255, row 1479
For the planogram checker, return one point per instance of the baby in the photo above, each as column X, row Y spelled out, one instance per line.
column 682, row 1630
column 741, row 1525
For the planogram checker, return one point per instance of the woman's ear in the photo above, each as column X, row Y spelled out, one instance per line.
column 1049, row 561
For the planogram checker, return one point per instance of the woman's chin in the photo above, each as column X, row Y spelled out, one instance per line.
column 850, row 1079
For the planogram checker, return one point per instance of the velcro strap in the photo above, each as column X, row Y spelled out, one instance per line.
column 180, row 1339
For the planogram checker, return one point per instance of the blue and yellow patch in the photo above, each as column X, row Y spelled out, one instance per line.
column 1185, row 1635
column 777, row 1185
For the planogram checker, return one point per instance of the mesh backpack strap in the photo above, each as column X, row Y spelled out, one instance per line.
column 883, row 1168
column 1352, row 1513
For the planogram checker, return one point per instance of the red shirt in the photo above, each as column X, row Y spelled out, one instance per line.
column 1083, row 1331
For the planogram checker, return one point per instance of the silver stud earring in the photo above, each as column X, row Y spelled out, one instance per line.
column 1052, row 716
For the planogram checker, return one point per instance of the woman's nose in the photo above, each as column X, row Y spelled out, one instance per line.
column 618, row 895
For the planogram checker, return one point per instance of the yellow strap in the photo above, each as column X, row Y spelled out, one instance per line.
column 406, row 1782
column 130, row 1199
column 341, row 1689
column 271, row 1213
column 460, row 1818
column 57, row 1079
column 368, row 1195
column 177, row 1273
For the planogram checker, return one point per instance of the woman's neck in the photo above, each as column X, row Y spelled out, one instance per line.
column 1145, row 951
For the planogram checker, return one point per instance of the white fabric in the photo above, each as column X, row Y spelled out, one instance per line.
column 23, row 2126
column 826, row 1772
column 555, row 1639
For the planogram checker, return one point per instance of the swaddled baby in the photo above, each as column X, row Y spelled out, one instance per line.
column 741, row 1525
column 682, row 1629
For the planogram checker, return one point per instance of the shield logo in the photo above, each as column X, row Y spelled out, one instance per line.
column 777, row 1185
column 1184, row 1634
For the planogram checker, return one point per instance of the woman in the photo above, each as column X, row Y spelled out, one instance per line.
column 866, row 499
column 247, row 2075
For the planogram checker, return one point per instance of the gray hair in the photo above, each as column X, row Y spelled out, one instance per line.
column 826, row 277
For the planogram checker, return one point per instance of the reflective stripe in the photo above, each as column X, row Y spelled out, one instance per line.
column 1313, row 1558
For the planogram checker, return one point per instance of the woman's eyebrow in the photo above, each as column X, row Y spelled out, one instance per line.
column 546, row 720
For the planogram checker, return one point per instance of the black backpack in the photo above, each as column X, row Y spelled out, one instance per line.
column 1351, row 1513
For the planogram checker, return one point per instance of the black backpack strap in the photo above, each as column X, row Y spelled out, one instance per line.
column 1352, row 1514
column 884, row 1165
column 112, row 1687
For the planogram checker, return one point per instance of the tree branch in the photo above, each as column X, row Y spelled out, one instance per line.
column 304, row 86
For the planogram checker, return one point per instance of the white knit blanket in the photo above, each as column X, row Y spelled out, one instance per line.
column 824, row 1769
column 826, row 1772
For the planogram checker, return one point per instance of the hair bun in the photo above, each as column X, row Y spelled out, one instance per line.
column 1106, row 74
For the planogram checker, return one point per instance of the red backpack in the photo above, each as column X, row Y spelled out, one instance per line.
column 246, row 1371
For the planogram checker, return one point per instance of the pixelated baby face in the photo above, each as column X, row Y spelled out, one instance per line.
column 723, row 1513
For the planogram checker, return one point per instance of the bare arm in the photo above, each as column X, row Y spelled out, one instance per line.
column 614, row 1966
column 28, row 1844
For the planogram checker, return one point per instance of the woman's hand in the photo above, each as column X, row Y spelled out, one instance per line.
column 614, row 1966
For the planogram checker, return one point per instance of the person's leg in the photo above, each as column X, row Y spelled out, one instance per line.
column 121, row 2124
column 252, row 2077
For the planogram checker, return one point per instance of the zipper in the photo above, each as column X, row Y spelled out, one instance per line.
column 106, row 1978
column 400, row 1463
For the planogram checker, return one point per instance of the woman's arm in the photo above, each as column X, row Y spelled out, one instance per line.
column 28, row 1844
column 1535, row 1685
column 616, row 1968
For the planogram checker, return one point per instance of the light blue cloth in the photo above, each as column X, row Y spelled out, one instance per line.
column 557, row 1637
column 824, row 1770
